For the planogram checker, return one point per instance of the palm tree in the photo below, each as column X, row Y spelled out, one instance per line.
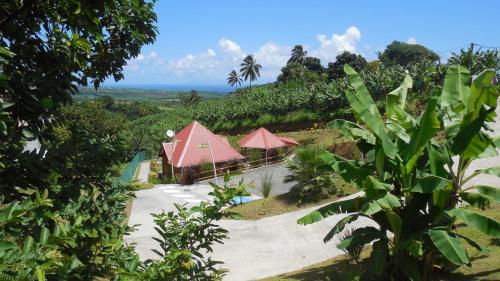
column 233, row 79
column 298, row 55
column 250, row 69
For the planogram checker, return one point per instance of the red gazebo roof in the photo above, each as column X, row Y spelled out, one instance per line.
column 263, row 139
column 195, row 145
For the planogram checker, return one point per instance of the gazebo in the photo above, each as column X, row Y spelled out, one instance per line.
column 195, row 145
column 265, row 140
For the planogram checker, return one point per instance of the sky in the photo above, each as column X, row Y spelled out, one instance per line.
column 200, row 42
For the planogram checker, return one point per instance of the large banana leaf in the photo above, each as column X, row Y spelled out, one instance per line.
column 350, row 205
column 366, row 110
column 352, row 130
column 428, row 126
column 395, row 105
column 482, row 93
column 477, row 221
column 349, row 170
column 340, row 226
column 437, row 160
column 449, row 246
column 455, row 97
column 429, row 184
column 386, row 202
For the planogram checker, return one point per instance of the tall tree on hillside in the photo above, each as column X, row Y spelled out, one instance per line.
column 336, row 69
column 298, row 55
column 233, row 79
column 314, row 64
column 404, row 54
column 250, row 69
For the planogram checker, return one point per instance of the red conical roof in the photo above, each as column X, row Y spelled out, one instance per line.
column 195, row 145
column 263, row 139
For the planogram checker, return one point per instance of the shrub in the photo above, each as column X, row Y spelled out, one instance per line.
column 308, row 171
column 266, row 184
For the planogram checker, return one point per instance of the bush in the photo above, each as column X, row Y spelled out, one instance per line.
column 308, row 171
column 266, row 184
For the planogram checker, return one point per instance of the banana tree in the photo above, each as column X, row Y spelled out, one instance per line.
column 414, row 183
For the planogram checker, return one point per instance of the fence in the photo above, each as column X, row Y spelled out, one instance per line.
column 128, row 174
column 243, row 166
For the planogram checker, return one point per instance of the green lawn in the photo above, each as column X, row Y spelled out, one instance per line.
column 485, row 266
column 284, row 203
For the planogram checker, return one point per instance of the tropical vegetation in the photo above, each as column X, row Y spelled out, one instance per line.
column 415, row 183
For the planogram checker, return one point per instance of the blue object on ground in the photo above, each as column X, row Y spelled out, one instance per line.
column 241, row 199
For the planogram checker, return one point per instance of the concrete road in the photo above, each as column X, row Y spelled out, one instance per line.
column 254, row 179
column 155, row 200
column 256, row 249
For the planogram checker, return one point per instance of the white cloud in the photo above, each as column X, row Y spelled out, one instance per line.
column 213, row 65
column 152, row 55
column 195, row 63
column 412, row 41
column 330, row 48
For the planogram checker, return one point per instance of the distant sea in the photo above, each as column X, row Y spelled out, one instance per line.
column 172, row 87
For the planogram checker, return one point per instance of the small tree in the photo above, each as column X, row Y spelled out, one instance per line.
column 187, row 236
column 411, row 186
column 336, row 69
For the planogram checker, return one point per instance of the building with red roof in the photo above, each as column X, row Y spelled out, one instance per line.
column 265, row 140
column 195, row 145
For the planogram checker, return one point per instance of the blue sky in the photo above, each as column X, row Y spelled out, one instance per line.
column 199, row 42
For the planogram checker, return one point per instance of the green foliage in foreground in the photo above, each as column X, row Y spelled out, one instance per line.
column 61, row 217
column 411, row 186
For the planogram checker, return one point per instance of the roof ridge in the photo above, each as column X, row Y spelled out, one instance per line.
column 188, row 140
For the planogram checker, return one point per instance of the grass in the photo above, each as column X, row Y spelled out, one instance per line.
column 485, row 266
column 321, row 138
column 281, row 204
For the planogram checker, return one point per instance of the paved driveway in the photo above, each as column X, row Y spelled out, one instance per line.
column 254, row 179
